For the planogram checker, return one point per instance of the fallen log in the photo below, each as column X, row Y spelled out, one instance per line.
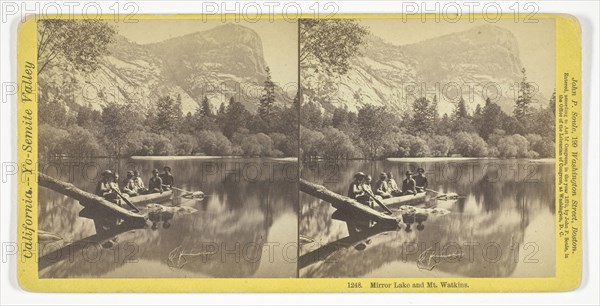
column 88, row 199
column 349, row 205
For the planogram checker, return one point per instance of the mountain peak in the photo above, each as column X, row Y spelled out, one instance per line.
column 230, row 32
column 479, row 55
column 481, row 50
column 232, row 48
column 473, row 37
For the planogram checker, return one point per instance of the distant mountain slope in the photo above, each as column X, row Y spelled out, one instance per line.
column 484, row 58
column 220, row 63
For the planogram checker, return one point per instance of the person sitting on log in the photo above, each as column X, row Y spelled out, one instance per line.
column 117, row 188
column 139, row 183
column 421, row 180
column 393, row 186
column 167, row 178
column 381, row 186
column 368, row 191
column 356, row 190
column 115, row 183
column 155, row 183
column 408, row 184
column 367, row 184
column 104, row 188
column 129, row 186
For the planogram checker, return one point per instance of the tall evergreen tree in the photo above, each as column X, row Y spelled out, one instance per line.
column 492, row 117
column 236, row 117
column 460, row 111
column 461, row 120
column 205, row 108
column 267, row 100
column 522, row 109
column 188, row 124
column 444, row 126
column 204, row 119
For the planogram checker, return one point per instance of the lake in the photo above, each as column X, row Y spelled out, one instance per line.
column 502, row 225
column 245, row 227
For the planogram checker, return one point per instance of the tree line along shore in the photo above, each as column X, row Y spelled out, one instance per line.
column 374, row 132
column 164, row 130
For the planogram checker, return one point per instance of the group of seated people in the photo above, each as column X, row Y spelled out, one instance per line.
column 110, row 188
column 362, row 188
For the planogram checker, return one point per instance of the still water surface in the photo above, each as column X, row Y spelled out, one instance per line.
column 502, row 226
column 247, row 225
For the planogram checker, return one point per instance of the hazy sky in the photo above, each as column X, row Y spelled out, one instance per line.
column 279, row 38
column 536, row 41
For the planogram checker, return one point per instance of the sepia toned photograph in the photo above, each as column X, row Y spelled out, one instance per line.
column 427, row 149
column 298, row 148
column 168, row 148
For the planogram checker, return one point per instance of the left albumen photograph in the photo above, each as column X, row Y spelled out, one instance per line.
column 167, row 148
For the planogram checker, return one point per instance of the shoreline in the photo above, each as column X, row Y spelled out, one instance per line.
column 288, row 159
column 432, row 159
column 421, row 159
column 447, row 159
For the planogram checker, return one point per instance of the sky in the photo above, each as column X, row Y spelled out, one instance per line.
column 279, row 38
column 536, row 41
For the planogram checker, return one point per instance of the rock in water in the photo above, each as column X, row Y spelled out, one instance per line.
column 407, row 209
column 161, row 209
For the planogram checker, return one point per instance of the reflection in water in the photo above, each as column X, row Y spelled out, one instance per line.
column 486, row 234
column 239, row 230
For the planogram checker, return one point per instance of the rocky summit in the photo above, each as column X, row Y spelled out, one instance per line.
column 219, row 63
column 482, row 61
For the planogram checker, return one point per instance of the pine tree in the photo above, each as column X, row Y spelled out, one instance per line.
column 523, row 103
column 205, row 109
column 267, row 100
column 461, row 120
column 204, row 119
column 460, row 112
column 444, row 126
column 188, row 125
column 236, row 117
column 492, row 118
